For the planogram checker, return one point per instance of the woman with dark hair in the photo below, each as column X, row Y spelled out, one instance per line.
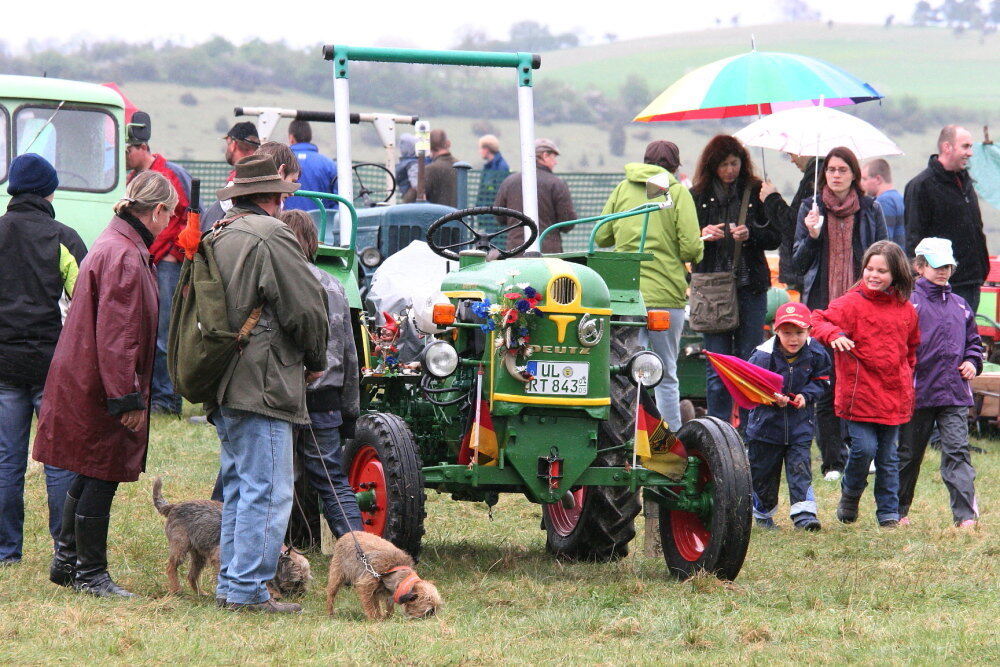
column 723, row 179
column 832, row 232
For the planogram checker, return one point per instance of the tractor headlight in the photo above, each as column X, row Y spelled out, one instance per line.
column 440, row 359
column 645, row 368
column 590, row 330
column 371, row 257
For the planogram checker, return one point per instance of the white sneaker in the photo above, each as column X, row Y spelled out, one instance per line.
column 832, row 476
column 871, row 468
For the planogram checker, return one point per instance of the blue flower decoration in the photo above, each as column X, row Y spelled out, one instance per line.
column 537, row 313
column 523, row 331
column 390, row 361
column 491, row 325
column 522, row 305
column 481, row 308
column 529, row 291
column 484, row 327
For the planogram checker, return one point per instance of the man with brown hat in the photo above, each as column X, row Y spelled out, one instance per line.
column 262, row 393
column 554, row 201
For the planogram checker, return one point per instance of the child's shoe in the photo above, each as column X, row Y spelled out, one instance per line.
column 871, row 468
column 889, row 523
column 766, row 524
column 904, row 521
column 832, row 476
column 808, row 522
column 969, row 524
column 847, row 509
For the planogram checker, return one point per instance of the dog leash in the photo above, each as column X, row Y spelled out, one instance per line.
column 357, row 545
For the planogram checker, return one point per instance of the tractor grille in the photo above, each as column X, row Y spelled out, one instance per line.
column 402, row 236
column 444, row 236
column 563, row 290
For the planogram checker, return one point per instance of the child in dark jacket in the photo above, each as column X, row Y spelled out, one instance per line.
column 949, row 356
column 783, row 432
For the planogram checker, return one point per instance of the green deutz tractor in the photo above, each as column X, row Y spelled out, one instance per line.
column 537, row 398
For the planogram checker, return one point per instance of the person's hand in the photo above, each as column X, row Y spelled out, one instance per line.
column 133, row 420
column 781, row 400
column 712, row 232
column 312, row 376
column 767, row 188
column 967, row 370
column 842, row 344
column 813, row 224
column 798, row 402
column 741, row 233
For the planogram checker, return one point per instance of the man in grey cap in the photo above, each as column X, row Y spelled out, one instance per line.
column 554, row 202
column 264, row 390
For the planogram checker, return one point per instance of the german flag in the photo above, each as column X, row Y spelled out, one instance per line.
column 655, row 444
column 479, row 436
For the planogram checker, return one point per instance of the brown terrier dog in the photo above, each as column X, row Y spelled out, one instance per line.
column 398, row 581
column 193, row 527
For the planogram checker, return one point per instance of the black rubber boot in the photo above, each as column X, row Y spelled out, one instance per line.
column 64, row 555
column 92, row 558
column 847, row 510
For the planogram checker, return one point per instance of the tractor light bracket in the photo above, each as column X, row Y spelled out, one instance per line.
column 686, row 496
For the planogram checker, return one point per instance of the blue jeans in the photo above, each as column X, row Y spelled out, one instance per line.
column 765, row 472
column 257, row 478
column 739, row 342
column 162, row 394
column 17, row 402
column 665, row 344
column 869, row 441
column 321, row 457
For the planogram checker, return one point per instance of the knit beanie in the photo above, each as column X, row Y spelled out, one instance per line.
column 31, row 173
column 664, row 154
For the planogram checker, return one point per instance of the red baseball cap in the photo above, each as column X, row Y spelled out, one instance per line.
column 792, row 313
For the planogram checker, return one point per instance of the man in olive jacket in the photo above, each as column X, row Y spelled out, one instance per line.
column 673, row 238
column 263, row 392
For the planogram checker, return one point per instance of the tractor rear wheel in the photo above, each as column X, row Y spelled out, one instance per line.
column 602, row 523
column 716, row 542
column 383, row 460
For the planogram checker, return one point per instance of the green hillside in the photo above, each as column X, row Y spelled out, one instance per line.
column 932, row 64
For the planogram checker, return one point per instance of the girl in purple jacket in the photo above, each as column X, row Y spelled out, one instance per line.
column 949, row 356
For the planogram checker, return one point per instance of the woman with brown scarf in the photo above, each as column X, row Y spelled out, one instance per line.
column 830, row 240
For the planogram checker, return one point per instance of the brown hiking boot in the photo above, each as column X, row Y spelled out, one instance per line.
column 269, row 606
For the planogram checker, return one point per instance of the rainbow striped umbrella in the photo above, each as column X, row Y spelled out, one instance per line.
column 756, row 83
column 749, row 385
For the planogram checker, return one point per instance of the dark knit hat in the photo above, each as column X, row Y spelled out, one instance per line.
column 31, row 173
column 663, row 153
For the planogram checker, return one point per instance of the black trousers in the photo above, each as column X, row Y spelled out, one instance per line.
column 830, row 433
column 94, row 496
column 970, row 293
column 765, row 472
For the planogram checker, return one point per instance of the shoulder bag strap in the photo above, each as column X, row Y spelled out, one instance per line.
column 255, row 314
column 744, row 206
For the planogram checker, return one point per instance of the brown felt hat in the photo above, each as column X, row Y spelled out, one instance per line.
column 256, row 174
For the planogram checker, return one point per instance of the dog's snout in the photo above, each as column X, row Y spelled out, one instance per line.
column 429, row 612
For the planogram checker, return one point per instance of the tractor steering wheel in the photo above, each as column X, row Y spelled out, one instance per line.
column 479, row 240
column 364, row 192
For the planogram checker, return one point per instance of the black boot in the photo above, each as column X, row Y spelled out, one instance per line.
column 64, row 555
column 92, row 558
column 847, row 510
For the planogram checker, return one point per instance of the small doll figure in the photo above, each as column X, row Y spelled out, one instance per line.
column 385, row 344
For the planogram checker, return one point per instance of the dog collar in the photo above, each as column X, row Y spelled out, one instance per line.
column 404, row 587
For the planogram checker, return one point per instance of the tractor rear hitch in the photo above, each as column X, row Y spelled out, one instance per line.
column 550, row 468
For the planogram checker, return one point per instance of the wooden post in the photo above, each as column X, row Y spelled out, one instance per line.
column 652, row 548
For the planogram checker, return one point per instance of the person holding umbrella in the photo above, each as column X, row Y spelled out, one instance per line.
column 736, row 232
column 832, row 232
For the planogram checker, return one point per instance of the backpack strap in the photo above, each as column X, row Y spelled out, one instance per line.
column 255, row 314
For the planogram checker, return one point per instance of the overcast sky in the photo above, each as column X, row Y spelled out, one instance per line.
column 429, row 24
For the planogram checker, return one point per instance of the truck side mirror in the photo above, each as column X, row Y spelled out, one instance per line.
column 139, row 130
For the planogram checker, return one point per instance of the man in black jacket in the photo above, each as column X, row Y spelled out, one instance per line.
column 785, row 216
column 39, row 261
column 940, row 201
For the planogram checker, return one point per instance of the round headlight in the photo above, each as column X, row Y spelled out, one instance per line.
column 371, row 257
column 646, row 369
column 440, row 359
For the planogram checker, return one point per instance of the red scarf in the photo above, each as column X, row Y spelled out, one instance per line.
column 839, row 241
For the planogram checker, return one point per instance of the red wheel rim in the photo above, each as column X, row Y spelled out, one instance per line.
column 563, row 521
column 366, row 474
column 691, row 537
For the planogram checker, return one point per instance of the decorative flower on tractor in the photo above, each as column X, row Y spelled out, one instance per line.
column 512, row 319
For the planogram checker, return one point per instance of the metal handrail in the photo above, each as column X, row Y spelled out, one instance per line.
column 318, row 197
column 642, row 209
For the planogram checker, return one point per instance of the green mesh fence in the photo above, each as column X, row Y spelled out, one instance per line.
column 589, row 191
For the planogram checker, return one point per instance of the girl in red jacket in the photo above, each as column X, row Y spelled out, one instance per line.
column 873, row 332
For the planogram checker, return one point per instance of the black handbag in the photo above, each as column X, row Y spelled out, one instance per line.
column 713, row 306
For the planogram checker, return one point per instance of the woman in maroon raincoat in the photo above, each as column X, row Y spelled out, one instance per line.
column 94, row 418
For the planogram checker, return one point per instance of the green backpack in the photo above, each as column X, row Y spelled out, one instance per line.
column 200, row 345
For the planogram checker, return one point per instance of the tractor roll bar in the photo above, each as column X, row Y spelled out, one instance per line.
column 318, row 197
column 642, row 209
column 523, row 63
column 320, row 116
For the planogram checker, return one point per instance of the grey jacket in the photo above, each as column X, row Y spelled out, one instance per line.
column 338, row 388
column 262, row 263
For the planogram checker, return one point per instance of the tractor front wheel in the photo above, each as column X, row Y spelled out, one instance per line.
column 715, row 541
column 383, row 467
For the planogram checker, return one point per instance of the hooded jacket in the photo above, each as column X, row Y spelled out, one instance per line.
column 874, row 380
column 672, row 236
column 810, row 254
column 948, row 336
column 808, row 375
column 764, row 235
column 39, row 259
column 943, row 203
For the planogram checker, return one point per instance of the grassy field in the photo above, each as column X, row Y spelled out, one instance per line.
column 925, row 594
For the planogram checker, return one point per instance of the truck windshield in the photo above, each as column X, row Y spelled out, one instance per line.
column 81, row 144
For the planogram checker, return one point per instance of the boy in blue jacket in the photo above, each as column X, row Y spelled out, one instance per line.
column 783, row 432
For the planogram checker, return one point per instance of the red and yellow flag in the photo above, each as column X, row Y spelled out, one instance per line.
column 479, row 437
column 655, row 444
